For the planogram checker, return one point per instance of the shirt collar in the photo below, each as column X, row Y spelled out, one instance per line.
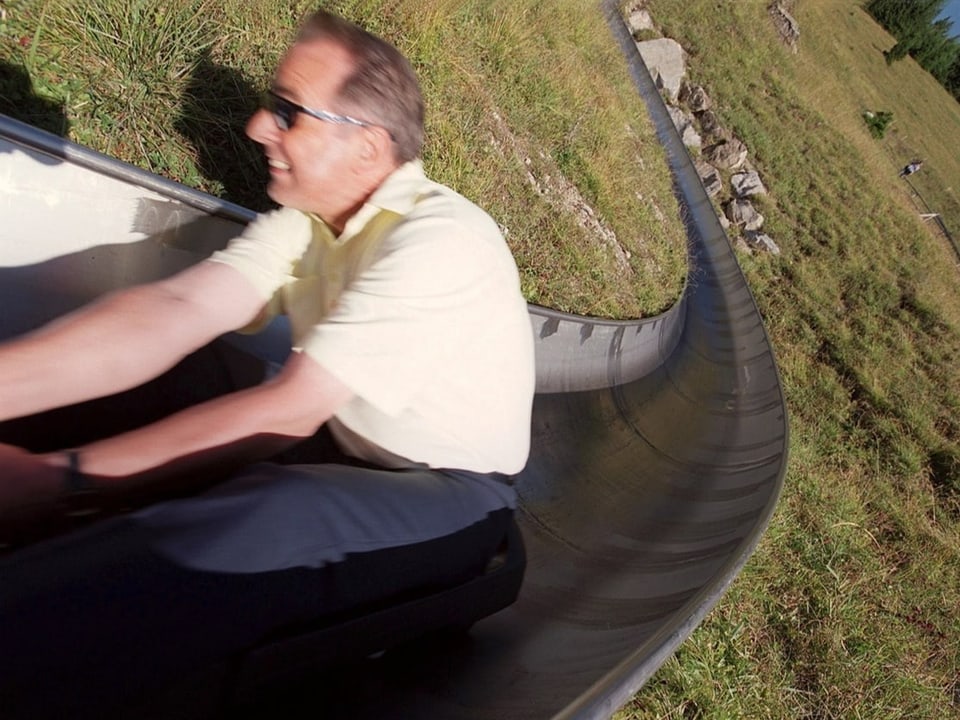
column 399, row 191
column 396, row 194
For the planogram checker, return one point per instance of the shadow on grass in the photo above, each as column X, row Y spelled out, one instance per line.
column 18, row 100
column 214, row 110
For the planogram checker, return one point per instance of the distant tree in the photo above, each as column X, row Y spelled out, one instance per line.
column 936, row 51
column 897, row 52
column 953, row 80
column 903, row 18
column 920, row 34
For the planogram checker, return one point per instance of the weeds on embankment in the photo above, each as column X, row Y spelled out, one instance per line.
column 531, row 113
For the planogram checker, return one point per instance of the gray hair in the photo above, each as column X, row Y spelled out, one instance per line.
column 382, row 88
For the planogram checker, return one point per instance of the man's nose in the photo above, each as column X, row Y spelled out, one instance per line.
column 261, row 127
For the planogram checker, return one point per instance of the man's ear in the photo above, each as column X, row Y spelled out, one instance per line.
column 377, row 145
column 368, row 151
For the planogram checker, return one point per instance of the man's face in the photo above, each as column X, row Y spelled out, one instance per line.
column 312, row 163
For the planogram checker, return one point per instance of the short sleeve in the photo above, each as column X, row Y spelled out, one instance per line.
column 267, row 250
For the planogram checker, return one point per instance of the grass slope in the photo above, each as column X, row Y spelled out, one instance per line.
column 531, row 113
column 849, row 608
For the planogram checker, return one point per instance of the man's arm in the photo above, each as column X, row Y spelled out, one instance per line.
column 192, row 446
column 235, row 428
column 123, row 339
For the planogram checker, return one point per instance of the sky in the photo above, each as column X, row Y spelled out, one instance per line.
column 952, row 11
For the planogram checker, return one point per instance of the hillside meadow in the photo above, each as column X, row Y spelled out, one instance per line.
column 850, row 607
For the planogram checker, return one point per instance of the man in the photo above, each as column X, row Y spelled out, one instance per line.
column 412, row 346
column 911, row 168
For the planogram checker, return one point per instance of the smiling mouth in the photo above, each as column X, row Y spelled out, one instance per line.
column 277, row 164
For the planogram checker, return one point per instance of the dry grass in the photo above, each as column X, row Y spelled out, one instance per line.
column 848, row 608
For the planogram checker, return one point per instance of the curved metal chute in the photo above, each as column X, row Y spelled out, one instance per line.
column 659, row 446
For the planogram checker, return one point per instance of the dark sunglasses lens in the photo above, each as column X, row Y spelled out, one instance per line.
column 284, row 112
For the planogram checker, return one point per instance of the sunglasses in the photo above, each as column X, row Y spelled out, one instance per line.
column 285, row 114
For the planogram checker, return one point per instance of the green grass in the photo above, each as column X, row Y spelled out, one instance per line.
column 531, row 113
column 849, row 609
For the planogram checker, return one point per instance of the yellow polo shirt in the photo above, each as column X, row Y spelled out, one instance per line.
column 416, row 307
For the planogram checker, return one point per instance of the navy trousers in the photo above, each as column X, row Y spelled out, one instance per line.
column 94, row 622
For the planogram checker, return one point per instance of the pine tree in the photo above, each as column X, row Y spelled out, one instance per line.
column 953, row 79
column 904, row 18
column 921, row 35
column 936, row 51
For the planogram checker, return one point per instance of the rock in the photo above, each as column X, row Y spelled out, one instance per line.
column 691, row 138
column 727, row 154
column 638, row 20
column 710, row 176
column 762, row 241
column 741, row 245
column 684, row 125
column 664, row 59
column 679, row 117
column 742, row 212
column 787, row 26
column 709, row 123
column 746, row 184
column 695, row 98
